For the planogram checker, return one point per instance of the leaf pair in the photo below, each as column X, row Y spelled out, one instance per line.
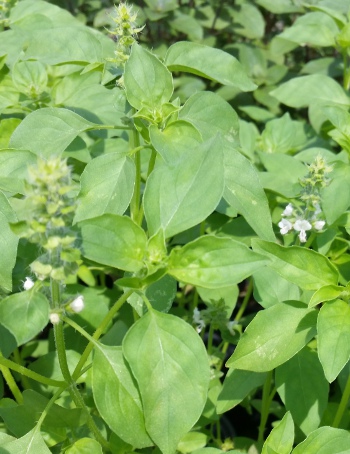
column 152, row 390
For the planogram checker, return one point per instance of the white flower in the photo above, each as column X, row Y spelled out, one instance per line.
column 288, row 211
column 78, row 304
column 54, row 318
column 318, row 225
column 198, row 320
column 28, row 283
column 318, row 209
column 301, row 225
column 285, row 226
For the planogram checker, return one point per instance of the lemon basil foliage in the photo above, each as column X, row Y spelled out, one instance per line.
column 174, row 227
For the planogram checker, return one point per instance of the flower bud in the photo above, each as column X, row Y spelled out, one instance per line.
column 54, row 318
column 28, row 284
column 78, row 304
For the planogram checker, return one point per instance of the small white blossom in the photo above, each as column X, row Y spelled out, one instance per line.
column 78, row 304
column 288, row 211
column 198, row 320
column 54, row 318
column 301, row 225
column 319, row 225
column 285, row 226
column 28, row 284
column 318, row 209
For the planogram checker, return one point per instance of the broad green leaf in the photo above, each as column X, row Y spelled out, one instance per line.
column 13, row 169
column 333, row 341
column 189, row 25
column 280, row 7
column 107, row 185
column 66, row 44
column 204, row 61
column 244, row 192
column 281, row 438
column 85, row 446
column 213, row 262
column 192, row 441
column 303, row 388
column 31, row 443
column 301, row 91
column 115, row 241
column 30, row 77
column 174, row 140
column 7, row 126
column 117, row 397
column 270, row 288
column 20, row 419
column 314, row 29
column 336, row 196
column 210, row 114
column 237, row 385
column 249, row 21
column 147, row 81
column 283, row 174
column 306, row 268
column 181, row 195
column 274, row 336
column 327, row 293
column 24, row 314
column 170, row 364
column 325, row 440
column 48, row 131
column 8, row 243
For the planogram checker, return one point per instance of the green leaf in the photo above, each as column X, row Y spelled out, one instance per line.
column 314, row 29
column 213, row 262
column 147, row 81
column 336, row 196
column 170, row 364
column 306, row 268
column 14, row 169
column 333, row 329
column 270, row 288
column 24, row 314
column 8, row 243
column 192, row 441
column 274, row 336
column 181, row 195
column 187, row 24
column 85, row 446
column 301, row 91
column 31, row 443
column 48, row 131
column 204, row 61
column 303, row 388
column 327, row 293
column 244, row 192
column 249, row 21
column 281, row 438
column 174, row 140
column 325, row 440
column 117, row 397
column 237, row 385
column 115, row 241
column 30, row 77
column 107, row 185
column 210, row 114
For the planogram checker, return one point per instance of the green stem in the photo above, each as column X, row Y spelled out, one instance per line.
column 62, row 359
column 265, row 405
column 100, row 330
column 30, row 374
column 18, row 360
column 245, row 300
column 342, row 405
column 48, row 406
column 151, row 164
column 135, row 201
column 310, row 240
column 11, row 383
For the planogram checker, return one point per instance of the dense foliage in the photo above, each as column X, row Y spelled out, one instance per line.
column 174, row 226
